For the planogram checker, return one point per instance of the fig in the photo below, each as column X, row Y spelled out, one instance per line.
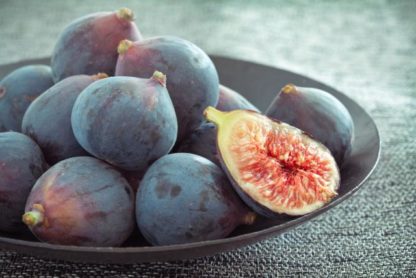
column 319, row 114
column 127, row 121
column 231, row 100
column 81, row 201
column 276, row 168
column 89, row 44
column 186, row 198
column 48, row 118
column 202, row 141
column 192, row 77
column 17, row 90
column 21, row 164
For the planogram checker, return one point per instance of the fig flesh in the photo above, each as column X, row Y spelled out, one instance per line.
column 276, row 168
column 319, row 114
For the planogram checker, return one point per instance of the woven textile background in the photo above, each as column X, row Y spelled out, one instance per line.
column 366, row 49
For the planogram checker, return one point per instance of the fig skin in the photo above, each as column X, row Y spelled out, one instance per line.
column 276, row 170
column 127, row 121
column 89, row 44
column 81, row 201
column 231, row 100
column 186, row 198
column 17, row 90
column 192, row 77
column 133, row 178
column 48, row 118
column 21, row 164
column 202, row 141
column 319, row 114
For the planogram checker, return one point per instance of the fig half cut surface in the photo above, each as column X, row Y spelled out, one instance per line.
column 276, row 168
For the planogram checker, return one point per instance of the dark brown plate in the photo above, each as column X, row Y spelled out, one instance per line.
column 259, row 84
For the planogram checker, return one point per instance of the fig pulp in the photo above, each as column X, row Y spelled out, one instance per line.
column 89, row 44
column 81, row 201
column 48, row 118
column 186, row 198
column 192, row 77
column 127, row 121
column 21, row 164
column 275, row 167
column 18, row 89
column 319, row 114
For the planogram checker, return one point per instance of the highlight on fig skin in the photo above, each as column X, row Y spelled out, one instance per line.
column 275, row 167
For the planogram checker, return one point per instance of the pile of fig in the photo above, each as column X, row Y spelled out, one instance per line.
column 122, row 131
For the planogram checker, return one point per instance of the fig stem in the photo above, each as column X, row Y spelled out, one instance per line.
column 289, row 89
column 32, row 218
column 159, row 77
column 214, row 115
column 125, row 13
column 100, row 75
column 249, row 218
column 123, row 46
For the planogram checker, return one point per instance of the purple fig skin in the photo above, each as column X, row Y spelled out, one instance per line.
column 133, row 178
column 319, row 114
column 89, row 44
column 82, row 201
column 202, row 141
column 231, row 100
column 127, row 121
column 186, row 198
column 18, row 89
column 21, row 164
column 192, row 80
column 48, row 118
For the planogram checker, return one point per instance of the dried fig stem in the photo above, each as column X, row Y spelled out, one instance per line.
column 125, row 13
column 33, row 218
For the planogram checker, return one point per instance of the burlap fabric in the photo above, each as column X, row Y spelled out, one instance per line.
column 366, row 49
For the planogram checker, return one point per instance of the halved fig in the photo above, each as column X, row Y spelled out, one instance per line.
column 275, row 168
